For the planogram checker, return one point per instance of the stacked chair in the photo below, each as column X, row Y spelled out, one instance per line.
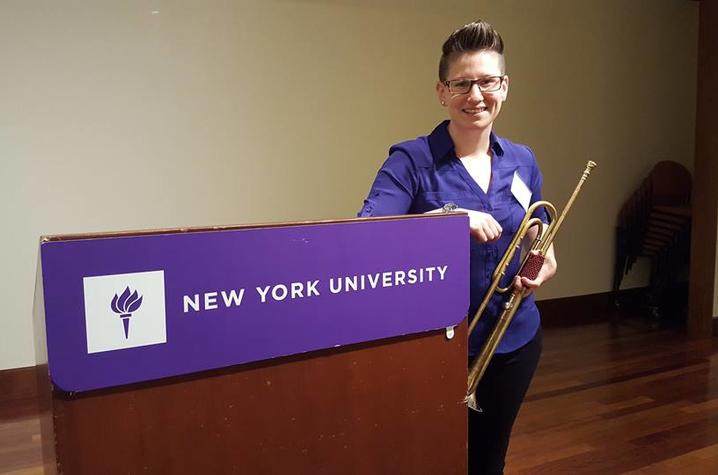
column 655, row 223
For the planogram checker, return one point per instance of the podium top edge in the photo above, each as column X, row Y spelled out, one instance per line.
column 232, row 227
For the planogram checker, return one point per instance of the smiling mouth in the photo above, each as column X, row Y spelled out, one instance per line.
column 476, row 110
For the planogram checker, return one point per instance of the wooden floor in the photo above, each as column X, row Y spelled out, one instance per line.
column 623, row 398
column 607, row 399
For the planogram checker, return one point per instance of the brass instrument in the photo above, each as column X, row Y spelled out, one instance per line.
column 529, row 268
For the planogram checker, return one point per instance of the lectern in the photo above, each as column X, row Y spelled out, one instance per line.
column 305, row 348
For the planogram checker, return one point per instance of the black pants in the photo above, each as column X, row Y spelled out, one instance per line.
column 500, row 393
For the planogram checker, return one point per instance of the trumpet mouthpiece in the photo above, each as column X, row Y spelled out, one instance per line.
column 589, row 166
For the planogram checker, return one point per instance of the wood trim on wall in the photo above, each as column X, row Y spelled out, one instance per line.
column 591, row 308
column 18, row 394
column 17, row 383
column 705, row 176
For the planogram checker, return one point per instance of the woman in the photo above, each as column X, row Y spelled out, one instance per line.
column 463, row 162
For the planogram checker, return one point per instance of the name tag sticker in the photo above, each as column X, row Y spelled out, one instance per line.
column 521, row 192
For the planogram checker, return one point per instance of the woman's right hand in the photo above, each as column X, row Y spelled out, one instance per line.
column 483, row 227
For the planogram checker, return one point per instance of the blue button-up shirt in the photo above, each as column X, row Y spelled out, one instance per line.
column 424, row 174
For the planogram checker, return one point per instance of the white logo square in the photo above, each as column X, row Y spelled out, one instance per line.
column 125, row 310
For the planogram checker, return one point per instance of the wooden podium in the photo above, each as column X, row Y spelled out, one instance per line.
column 339, row 380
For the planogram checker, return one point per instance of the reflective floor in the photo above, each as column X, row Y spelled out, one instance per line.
column 620, row 398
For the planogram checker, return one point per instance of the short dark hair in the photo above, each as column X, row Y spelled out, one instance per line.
column 476, row 36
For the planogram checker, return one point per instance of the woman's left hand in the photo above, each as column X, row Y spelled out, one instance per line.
column 547, row 271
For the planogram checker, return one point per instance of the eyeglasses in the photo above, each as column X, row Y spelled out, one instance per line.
column 487, row 84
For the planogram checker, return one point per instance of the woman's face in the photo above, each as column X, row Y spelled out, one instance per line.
column 474, row 110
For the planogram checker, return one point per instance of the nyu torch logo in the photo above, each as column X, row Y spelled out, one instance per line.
column 117, row 319
column 125, row 305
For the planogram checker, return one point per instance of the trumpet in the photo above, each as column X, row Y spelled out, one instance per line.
column 530, row 267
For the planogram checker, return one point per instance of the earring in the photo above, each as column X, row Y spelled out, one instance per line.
column 443, row 103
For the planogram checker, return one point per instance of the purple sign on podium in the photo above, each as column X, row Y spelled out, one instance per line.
column 125, row 309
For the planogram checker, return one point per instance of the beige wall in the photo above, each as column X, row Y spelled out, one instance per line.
column 144, row 114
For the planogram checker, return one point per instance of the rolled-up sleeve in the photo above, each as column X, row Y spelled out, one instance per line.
column 393, row 189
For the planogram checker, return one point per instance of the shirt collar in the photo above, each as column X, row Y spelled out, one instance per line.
column 442, row 147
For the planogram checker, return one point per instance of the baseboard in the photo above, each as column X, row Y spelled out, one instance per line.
column 18, row 383
column 583, row 309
